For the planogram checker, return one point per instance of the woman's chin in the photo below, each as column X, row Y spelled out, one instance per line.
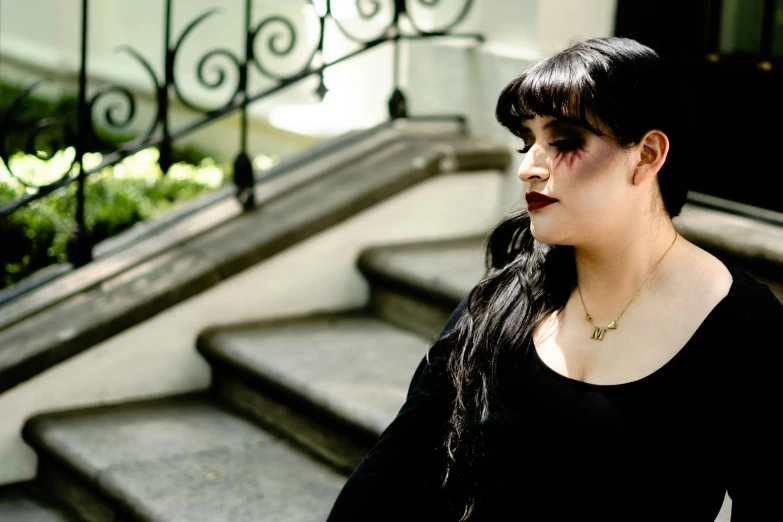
column 543, row 233
column 538, row 234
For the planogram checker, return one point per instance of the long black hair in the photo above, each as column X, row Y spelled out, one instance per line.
column 600, row 83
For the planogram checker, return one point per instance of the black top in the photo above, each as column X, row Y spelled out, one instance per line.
column 665, row 447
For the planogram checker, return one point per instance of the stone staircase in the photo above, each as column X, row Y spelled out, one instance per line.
column 295, row 404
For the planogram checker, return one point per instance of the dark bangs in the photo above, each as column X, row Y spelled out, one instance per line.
column 559, row 86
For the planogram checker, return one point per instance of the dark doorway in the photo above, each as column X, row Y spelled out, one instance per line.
column 729, row 54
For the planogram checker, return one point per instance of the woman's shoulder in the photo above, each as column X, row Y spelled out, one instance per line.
column 753, row 325
column 752, row 299
column 708, row 275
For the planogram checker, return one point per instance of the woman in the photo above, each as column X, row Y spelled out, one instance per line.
column 605, row 368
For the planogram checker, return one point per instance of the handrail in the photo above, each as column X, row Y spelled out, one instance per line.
column 83, row 130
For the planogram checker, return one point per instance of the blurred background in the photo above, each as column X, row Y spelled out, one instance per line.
column 230, row 229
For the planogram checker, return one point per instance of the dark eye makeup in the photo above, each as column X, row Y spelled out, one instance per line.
column 561, row 145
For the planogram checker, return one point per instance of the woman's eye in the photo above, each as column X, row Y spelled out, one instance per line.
column 566, row 145
column 561, row 145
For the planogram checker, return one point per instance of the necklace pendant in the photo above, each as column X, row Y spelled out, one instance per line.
column 612, row 325
column 598, row 333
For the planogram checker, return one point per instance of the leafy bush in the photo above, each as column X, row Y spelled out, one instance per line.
column 116, row 198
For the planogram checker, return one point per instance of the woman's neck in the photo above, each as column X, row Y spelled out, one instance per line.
column 610, row 273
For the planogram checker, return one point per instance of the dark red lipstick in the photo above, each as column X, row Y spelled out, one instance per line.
column 536, row 200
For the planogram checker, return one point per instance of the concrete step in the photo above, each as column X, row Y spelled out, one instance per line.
column 295, row 202
column 333, row 382
column 182, row 459
column 417, row 285
column 23, row 503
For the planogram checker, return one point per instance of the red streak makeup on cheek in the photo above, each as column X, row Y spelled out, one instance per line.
column 569, row 157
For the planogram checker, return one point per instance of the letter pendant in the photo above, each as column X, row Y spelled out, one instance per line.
column 598, row 333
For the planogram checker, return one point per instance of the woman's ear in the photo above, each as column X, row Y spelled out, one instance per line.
column 653, row 148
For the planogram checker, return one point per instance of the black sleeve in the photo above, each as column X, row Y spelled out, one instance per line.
column 450, row 324
column 400, row 476
column 754, row 416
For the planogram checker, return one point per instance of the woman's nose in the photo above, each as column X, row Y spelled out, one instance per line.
column 533, row 167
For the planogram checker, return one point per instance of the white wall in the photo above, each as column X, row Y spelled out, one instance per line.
column 158, row 358
column 42, row 38
column 48, row 31
column 561, row 20
column 40, row 35
column 461, row 77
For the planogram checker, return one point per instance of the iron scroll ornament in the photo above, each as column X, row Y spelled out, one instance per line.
column 113, row 109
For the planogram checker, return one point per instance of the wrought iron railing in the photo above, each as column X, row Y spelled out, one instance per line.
column 168, row 89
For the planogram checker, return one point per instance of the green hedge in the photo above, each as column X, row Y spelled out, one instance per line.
column 116, row 198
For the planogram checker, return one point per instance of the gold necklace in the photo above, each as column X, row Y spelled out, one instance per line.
column 598, row 331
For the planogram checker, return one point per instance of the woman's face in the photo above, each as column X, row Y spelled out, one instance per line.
column 590, row 176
